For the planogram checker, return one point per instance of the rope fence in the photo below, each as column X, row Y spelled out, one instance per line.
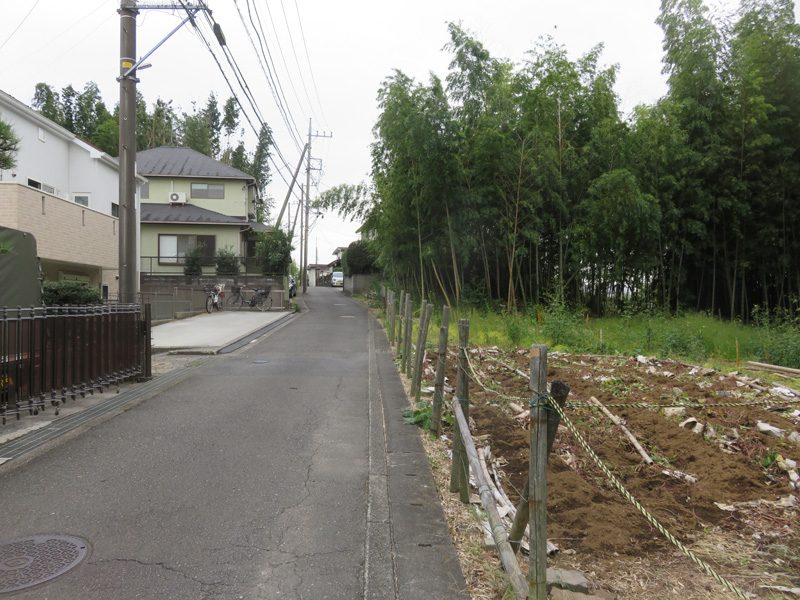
column 545, row 414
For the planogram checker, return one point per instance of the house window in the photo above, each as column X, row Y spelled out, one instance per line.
column 34, row 184
column 115, row 209
column 172, row 248
column 82, row 199
column 144, row 191
column 42, row 135
column 208, row 190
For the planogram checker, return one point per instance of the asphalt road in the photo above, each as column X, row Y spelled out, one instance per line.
column 264, row 475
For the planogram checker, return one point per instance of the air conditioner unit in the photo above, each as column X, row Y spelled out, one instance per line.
column 177, row 198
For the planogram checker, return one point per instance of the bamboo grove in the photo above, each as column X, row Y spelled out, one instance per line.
column 519, row 183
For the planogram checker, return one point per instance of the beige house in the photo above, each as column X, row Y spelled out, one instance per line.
column 65, row 192
column 193, row 199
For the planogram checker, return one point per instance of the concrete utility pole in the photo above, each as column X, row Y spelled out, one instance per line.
column 128, row 259
column 128, row 220
column 304, row 260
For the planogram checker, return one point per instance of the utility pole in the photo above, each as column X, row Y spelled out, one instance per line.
column 128, row 219
column 308, row 197
column 128, row 259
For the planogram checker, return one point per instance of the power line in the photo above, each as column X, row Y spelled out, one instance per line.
column 275, row 70
column 25, row 18
column 268, row 73
column 308, row 60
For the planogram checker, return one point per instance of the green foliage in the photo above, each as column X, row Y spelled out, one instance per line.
column 9, row 145
column 779, row 334
column 69, row 293
column 226, row 262
column 194, row 259
column 196, row 133
column 357, row 260
column 422, row 414
column 515, row 327
column 274, row 253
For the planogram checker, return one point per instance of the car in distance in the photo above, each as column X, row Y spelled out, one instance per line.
column 337, row 279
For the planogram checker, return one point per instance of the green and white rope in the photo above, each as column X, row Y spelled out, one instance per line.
column 650, row 518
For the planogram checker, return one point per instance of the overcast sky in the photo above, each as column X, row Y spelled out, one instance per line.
column 329, row 57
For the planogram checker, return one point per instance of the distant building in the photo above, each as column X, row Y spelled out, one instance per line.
column 193, row 199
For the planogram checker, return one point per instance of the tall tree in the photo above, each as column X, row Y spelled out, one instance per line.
column 260, row 166
column 213, row 119
column 48, row 102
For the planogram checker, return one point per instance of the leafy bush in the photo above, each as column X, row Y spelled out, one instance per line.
column 195, row 256
column 226, row 262
column 779, row 331
column 357, row 260
column 515, row 328
column 274, row 253
column 69, row 293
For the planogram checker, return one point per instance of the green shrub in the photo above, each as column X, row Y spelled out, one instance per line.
column 515, row 328
column 195, row 256
column 69, row 293
column 226, row 262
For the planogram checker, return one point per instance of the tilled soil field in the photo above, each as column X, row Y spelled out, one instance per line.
column 719, row 483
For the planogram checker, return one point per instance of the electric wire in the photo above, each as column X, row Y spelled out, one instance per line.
column 296, row 62
column 265, row 67
column 203, row 38
column 308, row 60
column 25, row 18
column 274, row 68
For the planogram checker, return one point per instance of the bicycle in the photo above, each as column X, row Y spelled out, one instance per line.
column 260, row 300
column 215, row 297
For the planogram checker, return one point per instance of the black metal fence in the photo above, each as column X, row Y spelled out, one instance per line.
column 48, row 355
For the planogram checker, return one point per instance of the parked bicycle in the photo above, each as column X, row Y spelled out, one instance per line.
column 260, row 300
column 215, row 297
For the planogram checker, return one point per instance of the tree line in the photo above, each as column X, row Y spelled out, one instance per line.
column 520, row 183
column 211, row 130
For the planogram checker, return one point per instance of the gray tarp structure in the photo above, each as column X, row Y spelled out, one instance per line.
column 20, row 275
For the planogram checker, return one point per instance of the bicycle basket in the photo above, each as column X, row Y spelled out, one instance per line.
column 236, row 289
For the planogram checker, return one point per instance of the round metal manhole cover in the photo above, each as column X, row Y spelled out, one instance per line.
column 31, row 561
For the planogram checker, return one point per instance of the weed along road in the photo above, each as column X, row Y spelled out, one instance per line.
column 280, row 470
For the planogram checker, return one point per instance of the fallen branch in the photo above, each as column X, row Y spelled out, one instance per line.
column 618, row 422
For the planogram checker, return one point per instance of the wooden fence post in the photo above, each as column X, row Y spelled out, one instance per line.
column 401, row 317
column 412, row 364
column 441, row 366
column 391, row 317
column 559, row 392
column 459, row 478
column 424, row 323
column 407, row 335
column 537, row 475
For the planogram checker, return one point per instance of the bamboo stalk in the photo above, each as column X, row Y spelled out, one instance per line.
column 618, row 422
column 776, row 368
column 400, row 323
column 441, row 366
column 499, row 534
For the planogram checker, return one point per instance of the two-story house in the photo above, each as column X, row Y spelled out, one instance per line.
column 193, row 199
column 65, row 192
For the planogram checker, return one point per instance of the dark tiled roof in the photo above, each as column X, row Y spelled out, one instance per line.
column 171, row 161
column 187, row 213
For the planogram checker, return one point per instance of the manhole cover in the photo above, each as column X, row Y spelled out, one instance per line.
column 32, row 561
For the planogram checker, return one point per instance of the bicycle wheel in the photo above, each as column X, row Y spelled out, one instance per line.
column 220, row 303
column 265, row 303
column 236, row 302
column 209, row 304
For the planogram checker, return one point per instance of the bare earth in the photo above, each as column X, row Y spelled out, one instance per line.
column 741, row 516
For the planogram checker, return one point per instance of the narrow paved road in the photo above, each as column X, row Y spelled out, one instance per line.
column 261, row 476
